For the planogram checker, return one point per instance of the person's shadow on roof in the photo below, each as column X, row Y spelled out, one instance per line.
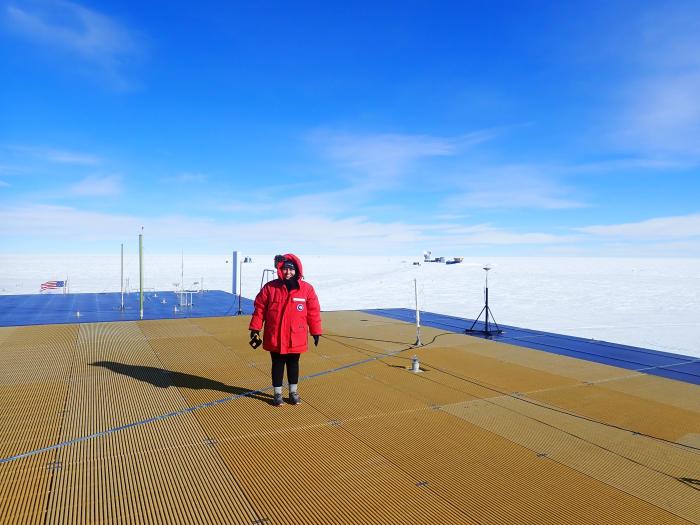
column 162, row 378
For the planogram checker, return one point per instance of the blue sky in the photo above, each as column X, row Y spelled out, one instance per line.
column 465, row 128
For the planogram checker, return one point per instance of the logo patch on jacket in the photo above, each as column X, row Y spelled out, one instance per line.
column 300, row 307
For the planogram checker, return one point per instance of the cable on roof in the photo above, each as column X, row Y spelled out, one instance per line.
column 691, row 482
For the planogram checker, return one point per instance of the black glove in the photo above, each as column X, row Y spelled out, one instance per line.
column 255, row 340
column 255, row 334
column 315, row 339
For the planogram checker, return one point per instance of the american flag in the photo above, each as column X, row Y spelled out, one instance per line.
column 51, row 285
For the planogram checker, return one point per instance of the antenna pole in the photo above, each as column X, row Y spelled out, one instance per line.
column 415, row 289
column 141, row 274
column 486, row 308
column 240, row 287
column 122, row 277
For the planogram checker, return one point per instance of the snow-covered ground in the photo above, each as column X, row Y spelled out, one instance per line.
column 652, row 303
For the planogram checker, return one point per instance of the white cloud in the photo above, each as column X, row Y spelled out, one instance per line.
column 307, row 232
column 511, row 186
column 272, row 202
column 62, row 222
column 189, row 178
column 663, row 115
column 678, row 227
column 509, row 198
column 70, row 157
column 81, row 32
column 660, row 109
column 668, row 36
column 454, row 235
column 381, row 159
column 96, row 186
column 686, row 248
column 361, row 168
column 627, row 164
column 57, row 156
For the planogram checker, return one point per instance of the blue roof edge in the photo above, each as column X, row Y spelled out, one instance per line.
column 645, row 360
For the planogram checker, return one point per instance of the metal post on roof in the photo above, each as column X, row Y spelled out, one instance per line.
column 122, row 277
column 415, row 289
column 182, row 279
column 240, row 287
column 234, row 273
column 141, row 274
column 486, row 299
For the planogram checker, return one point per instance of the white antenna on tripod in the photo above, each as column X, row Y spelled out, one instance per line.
column 485, row 310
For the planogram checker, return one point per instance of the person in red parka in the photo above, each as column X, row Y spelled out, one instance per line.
column 289, row 309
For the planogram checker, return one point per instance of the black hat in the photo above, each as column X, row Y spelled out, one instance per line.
column 289, row 264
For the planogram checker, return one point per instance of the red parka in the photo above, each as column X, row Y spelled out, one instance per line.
column 288, row 316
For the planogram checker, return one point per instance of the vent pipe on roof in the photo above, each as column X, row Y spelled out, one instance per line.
column 415, row 364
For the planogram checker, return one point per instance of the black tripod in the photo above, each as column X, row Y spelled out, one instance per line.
column 485, row 310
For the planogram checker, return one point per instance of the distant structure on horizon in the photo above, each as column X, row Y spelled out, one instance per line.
column 427, row 258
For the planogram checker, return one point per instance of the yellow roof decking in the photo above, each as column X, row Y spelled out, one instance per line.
column 488, row 433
